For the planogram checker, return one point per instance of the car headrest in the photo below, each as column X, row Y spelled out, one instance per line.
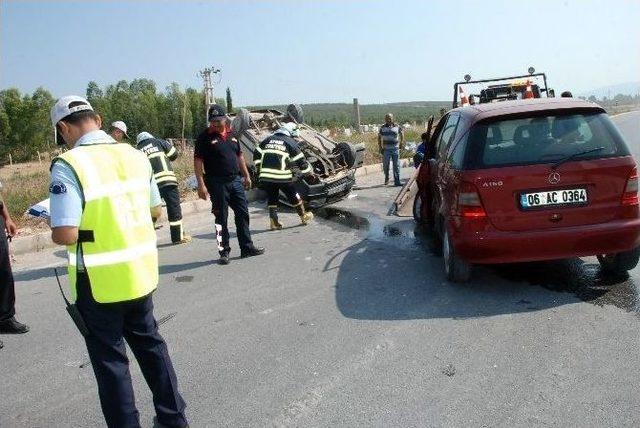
column 521, row 134
column 494, row 135
column 562, row 125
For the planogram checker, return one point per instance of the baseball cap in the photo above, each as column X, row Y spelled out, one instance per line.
column 61, row 108
column 143, row 136
column 216, row 112
column 118, row 124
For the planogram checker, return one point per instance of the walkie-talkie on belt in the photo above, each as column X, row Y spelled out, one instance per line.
column 74, row 313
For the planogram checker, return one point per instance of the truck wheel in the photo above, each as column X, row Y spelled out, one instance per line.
column 417, row 208
column 619, row 263
column 456, row 269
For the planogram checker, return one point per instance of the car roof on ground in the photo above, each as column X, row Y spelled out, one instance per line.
column 502, row 108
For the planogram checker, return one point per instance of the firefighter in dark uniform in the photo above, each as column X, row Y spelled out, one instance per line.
column 218, row 162
column 280, row 162
column 160, row 154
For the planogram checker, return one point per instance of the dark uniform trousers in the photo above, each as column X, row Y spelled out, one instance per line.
column 171, row 197
column 133, row 321
column 225, row 194
column 273, row 193
column 7, row 288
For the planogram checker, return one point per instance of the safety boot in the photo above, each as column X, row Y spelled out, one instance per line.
column 177, row 233
column 305, row 217
column 274, row 224
column 184, row 240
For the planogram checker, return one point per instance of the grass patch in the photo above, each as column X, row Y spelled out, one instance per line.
column 22, row 188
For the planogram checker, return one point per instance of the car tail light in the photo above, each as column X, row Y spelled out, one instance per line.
column 469, row 203
column 630, row 195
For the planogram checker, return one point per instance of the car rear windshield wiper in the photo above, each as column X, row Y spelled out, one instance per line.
column 575, row 155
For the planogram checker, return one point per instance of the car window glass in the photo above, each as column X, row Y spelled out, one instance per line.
column 448, row 132
column 456, row 154
column 547, row 139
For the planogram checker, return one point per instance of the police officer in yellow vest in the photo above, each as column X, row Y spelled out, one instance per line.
column 103, row 196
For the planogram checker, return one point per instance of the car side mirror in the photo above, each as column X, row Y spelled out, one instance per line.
column 551, row 93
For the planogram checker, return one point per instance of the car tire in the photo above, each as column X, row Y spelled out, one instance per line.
column 417, row 208
column 349, row 153
column 456, row 269
column 295, row 112
column 434, row 239
column 619, row 263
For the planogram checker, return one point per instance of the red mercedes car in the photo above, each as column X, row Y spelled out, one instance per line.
column 529, row 180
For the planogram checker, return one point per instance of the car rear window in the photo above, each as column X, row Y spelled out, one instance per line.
column 543, row 139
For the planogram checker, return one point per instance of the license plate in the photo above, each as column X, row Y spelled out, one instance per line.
column 553, row 197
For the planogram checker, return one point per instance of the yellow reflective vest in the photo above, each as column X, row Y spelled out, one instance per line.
column 117, row 241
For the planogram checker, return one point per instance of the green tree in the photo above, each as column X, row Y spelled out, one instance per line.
column 25, row 123
column 229, row 101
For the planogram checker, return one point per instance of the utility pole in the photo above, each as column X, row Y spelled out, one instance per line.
column 356, row 116
column 208, row 85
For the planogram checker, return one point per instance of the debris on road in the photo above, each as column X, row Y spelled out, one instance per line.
column 449, row 370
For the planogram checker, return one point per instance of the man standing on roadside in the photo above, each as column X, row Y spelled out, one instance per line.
column 103, row 196
column 218, row 162
column 8, row 323
column 118, row 131
column 390, row 141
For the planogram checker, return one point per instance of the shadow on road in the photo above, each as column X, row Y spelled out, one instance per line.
column 391, row 275
column 41, row 273
column 167, row 269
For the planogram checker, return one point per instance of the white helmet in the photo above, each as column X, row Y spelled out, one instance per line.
column 118, row 124
column 143, row 136
column 290, row 129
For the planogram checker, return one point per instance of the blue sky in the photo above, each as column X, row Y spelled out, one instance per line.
column 313, row 51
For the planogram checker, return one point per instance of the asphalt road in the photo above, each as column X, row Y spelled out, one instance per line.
column 349, row 322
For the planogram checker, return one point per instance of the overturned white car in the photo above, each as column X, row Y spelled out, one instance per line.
column 334, row 163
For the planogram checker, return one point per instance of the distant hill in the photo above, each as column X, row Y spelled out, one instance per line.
column 340, row 114
column 628, row 88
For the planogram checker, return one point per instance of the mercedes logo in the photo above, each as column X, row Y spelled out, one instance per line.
column 554, row 178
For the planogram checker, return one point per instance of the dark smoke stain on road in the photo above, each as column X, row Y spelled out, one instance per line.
column 584, row 280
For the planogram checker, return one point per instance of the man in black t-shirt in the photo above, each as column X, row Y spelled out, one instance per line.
column 218, row 164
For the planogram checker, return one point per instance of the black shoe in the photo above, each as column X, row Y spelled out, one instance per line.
column 252, row 251
column 224, row 259
column 1, row 344
column 11, row 326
